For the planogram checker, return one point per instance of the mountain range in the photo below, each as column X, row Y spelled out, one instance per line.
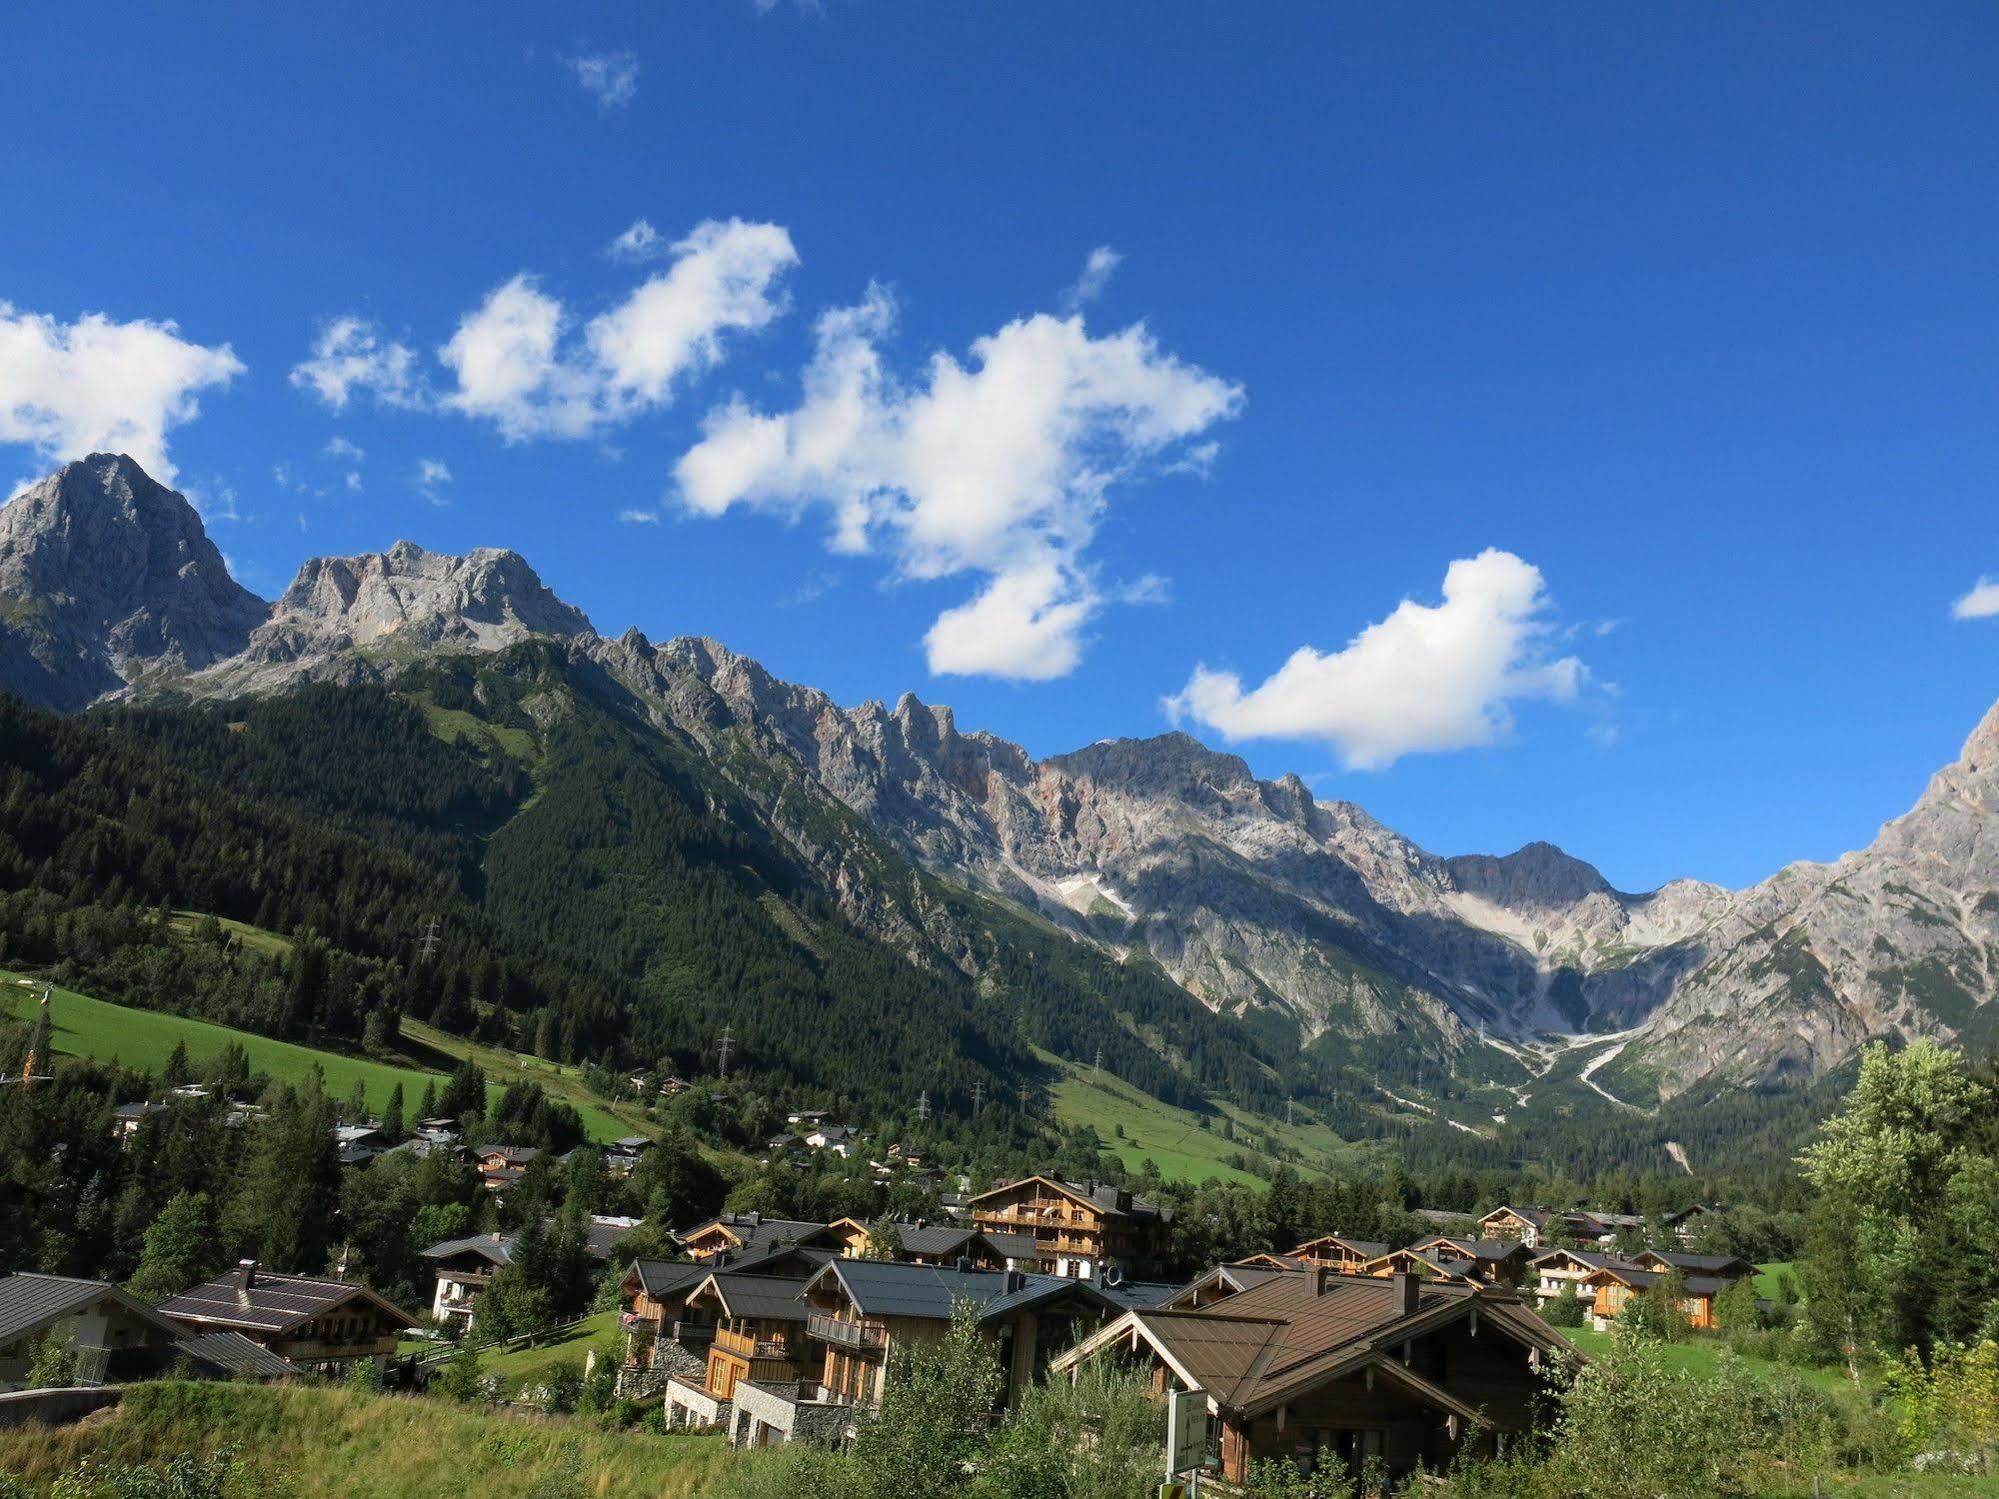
column 1298, row 916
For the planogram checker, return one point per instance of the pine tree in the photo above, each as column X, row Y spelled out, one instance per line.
column 181, row 1248
column 392, row 1115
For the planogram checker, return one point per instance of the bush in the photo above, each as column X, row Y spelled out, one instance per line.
column 1566, row 1310
column 1099, row 1438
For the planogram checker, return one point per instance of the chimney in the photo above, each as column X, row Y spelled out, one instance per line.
column 1406, row 1287
column 246, row 1280
column 1016, row 1280
column 964, row 1265
column 1323, row 1279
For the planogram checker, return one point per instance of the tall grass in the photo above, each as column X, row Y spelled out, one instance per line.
column 322, row 1440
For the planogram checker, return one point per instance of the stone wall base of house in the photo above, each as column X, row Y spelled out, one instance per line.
column 767, row 1417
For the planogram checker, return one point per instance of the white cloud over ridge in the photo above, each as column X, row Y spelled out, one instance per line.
column 95, row 385
column 1429, row 677
column 518, row 365
column 998, row 467
column 640, row 242
column 611, row 78
column 351, row 357
column 1982, row 602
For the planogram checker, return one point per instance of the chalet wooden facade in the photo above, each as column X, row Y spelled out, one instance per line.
column 112, row 1335
column 1337, row 1252
column 1496, row 1261
column 1425, row 1265
column 739, row 1236
column 1611, row 1289
column 322, row 1326
column 1078, row 1229
column 1352, row 1367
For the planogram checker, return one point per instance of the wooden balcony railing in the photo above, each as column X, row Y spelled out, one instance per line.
column 744, row 1345
column 843, row 1333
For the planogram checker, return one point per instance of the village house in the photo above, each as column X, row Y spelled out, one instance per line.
column 1337, row 1252
column 662, row 1336
column 500, row 1166
column 861, row 1311
column 924, row 1243
column 113, row 1337
column 323, row 1326
column 1423, row 1264
column 464, row 1268
column 127, row 1118
column 1722, row 1266
column 758, row 1335
column 1397, row 1369
column 750, row 1235
column 1609, row 1289
column 1224, row 1281
column 358, row 1144
column 1493, row 1260
column 1556, row 1270
column 621, row 1157
column 834, row 1137
column 1079, row 1229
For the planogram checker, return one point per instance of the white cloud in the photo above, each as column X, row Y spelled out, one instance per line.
column 518, row 366
column 611, row 78
column 432, row 474
column 1097, row 270
column 351, row 356
column 633, row 516
column 1981, row 603
column 94, row 385
column 640, row 242
column 1428, row 677
column 353, row 481
column 999, row 468
column 340, row 447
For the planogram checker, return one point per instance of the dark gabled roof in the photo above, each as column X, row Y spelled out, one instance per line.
column 29, row 1302
column 513, row 1155
column 758, row 1235
column 888, row 1288
column 761, row 1298
column 497, row 1248
column 786, row 1259
column 274, row 1303
column 663, row 1278
column 601, row 1240
column 1131, row 1295
column 1473, row 1249
column 236, row 1355
column 1011, row 1246
column 1639, row 1280
column 139, row 1110
column 1706, row 1264
column 1596, row 1259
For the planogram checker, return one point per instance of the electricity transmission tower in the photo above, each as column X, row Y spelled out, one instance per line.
column 1097, row 1066
column 923, row 1105
column 978, row 1097
column 728, row 1039
column 427, row 949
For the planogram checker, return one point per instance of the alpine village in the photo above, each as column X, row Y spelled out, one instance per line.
column 519, row 1045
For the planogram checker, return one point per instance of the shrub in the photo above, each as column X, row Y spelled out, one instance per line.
column 1566, row 1310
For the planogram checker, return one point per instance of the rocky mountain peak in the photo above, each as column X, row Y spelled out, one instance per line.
column 106, row 575
column 1170, row 764
column 1535, row 877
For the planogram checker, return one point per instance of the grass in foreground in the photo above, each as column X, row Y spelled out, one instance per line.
column 325, row 1439
column 107, row 1032
column 1702, row 1356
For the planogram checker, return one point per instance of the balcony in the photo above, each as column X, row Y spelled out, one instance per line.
column 693, row 1332
column 843, row 1333
column 746, row 1346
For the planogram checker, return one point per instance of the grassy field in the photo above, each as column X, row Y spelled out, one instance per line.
column 1702, row 1356
column 322, row 1439
column 1172, row 1138
column 531, row 1365
column 1770, row 1278
column 603, row 1121
column 96, row 1028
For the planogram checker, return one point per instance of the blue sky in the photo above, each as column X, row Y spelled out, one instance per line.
column 1673, row 326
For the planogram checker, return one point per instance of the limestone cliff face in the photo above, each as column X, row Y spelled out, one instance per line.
column 1252, row 894
column 106, row 577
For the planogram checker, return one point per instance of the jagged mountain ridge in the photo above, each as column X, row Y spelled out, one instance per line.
column 1253, row 895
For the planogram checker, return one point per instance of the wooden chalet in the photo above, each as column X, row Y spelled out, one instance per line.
column 759, row 1335
column 1494, row 1260
column 1226, row 1280
column 751, row 1235
column 924, row 1243
column 1553, row 1271
column 322, row 1326
column 500, row 1166
column 1337, row 1252
column 861, row 1310
column 464, row 1268
column 1078, row 1228
column 1721, row 1266
column 114, row 1337
column 1610, row 1289
column 1422, row 1264
column 663, row 1333
column 1353, row 1367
